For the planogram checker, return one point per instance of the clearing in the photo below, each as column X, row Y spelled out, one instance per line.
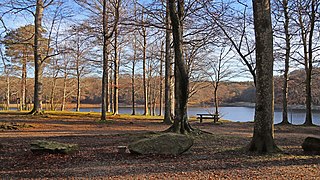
column 213, row 156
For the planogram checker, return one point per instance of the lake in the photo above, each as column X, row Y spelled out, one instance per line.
column 237, row 114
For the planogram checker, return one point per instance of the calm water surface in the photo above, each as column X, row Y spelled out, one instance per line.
column 237, row 114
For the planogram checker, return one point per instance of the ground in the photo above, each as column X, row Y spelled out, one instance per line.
column 219, row 155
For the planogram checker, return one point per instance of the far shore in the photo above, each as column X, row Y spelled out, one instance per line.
column 71, row 106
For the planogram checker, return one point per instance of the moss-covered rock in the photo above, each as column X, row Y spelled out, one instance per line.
column 167, row 144
column 41, row 146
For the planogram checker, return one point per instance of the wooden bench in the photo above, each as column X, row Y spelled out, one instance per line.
column 215, row 117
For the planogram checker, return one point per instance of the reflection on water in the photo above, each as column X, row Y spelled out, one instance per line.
column 241, row 114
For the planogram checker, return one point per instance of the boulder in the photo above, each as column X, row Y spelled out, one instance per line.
column 166, row 144
column 52, row 147
column 311, row 144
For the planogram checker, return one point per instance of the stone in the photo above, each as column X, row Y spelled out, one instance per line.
column 164, row 144
column 52, row 147
column 122, row 149
column 311, row 144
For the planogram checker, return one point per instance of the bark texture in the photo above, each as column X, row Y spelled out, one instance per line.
column 168, row 71
column 286, row 64
column 181, row 124
column 37, row 96
column 262, row 140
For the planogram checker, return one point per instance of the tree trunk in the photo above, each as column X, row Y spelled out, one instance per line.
column 216, row 102
column 116, row 75
column 105, row 78
column 262, row 140
column 161, row 81
column 7, row 91
column 110, row 90
column 310, row 65
column 64, row 93
column 307, row 42
column 23, row 84
column 286, row 65
column 145, row 88
column 52, row 94
column 168, row 70
column 37, row 97
column 78, row 92
column 133, row 75
column 181, row 124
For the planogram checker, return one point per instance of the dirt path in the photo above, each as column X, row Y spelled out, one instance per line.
column 216, row 156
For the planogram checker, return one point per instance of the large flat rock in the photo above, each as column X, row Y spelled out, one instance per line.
column 166, row 144
column 41, row 146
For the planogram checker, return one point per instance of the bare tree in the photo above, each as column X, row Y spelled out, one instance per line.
column 218, row 69
column 306, row 16
column 282, row 16
column 181, row 124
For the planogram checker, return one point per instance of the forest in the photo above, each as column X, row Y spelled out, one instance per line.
column 57, row 55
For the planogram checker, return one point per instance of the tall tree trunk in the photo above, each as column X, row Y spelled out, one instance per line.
column 133, row 75
column 262, row 140
column 23, row 84
column 116, row 74
column 161, row 81
column 37, row 97
column 181, row 124
column 168, row 71
column 307, row 41
column 105, row 78
column 144, row 58
column 110, row 90
column 314, row 10
column 149, row 92
column 286, row 65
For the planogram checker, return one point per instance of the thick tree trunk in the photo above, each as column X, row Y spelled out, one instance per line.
column 37, row 97
column 181, row 124
column 286, row 65
column 262, row 140
column 168, row 71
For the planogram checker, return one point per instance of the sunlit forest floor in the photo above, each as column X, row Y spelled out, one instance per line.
column 219, row 155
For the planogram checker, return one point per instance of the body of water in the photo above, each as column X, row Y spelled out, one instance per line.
column 237, row 114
